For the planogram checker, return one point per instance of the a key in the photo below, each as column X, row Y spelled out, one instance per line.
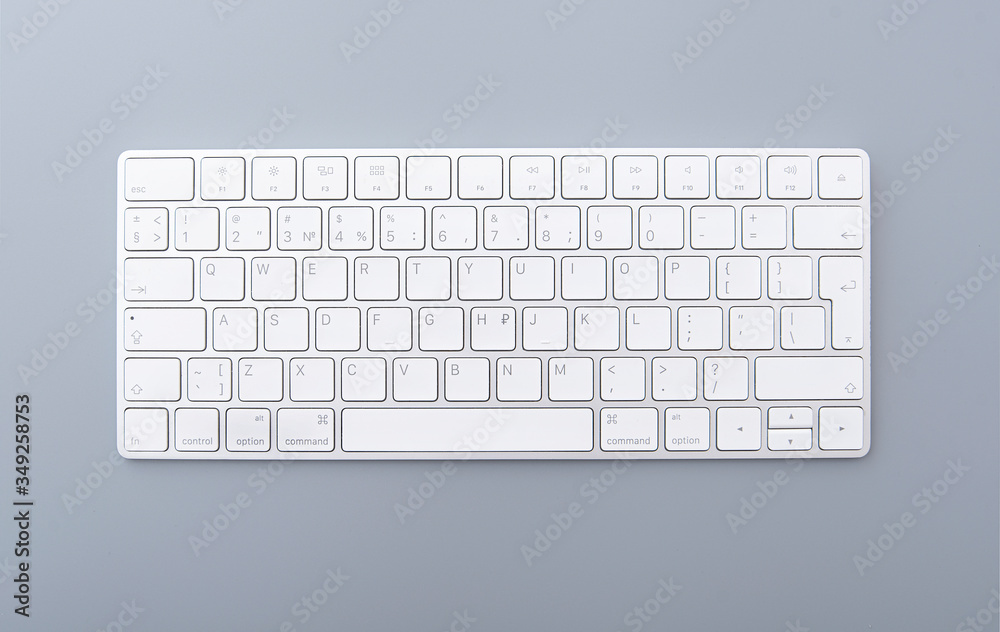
column 260, row 379
column 428, row 177
column 480, row 177
column 166, row 179
column 737, row 177
column 634, row 177
column 841, row 428
column 789, row 440
column 623, row 379
column 362, row 379
column 209, row 379
column 311, row 379
column 789, row 177
column 324, row 278
column 305, row 429
column 635, row 278
column 686, row 177
column 751, row 328
column 789, row 417
column 532, row 278
column 223, row 179
column 248, row 228
column 675, row 379
column 557, row 227
column 571, row 379
column 596, row 328
column 467, row 379
column 686, row 429
column 196, row 228
column 376, row 278
column 441, row 329
column 286, row 329
column 248, row 429
column 146, row 229
column 338, row 329
column 480, row 278
column 428, row 278
column 165, row 329
column 152, row 379
column 493, row 329
column 196, row 430
column 737, row 429
column 390, row 329
column 629, row 429
column 401, row 227
column 821, row 377
column 272, row 278
column 505, row 227
column 544, row 329
column 453, row 227
column 532, row 177
column 584, row 278
column 764, row 227
column 584, row 177
column 351, row 228
column 647, row 328
column 686, row 277
column 145, row 429
column 324, row 178
column 273, row 178
column 161, row 279
column 609, row 227
column 726, row 378
column 699, row 328
column 803, row 327
column 299, row 228
column 519, row 379
column 737, row 277
column 376, row 177
column 827, row 227
column 414, row 379
column 234, row 329
column 661, row 227
column 713, row 227
column 841, row 279
column 789, row 277
column 840, row 179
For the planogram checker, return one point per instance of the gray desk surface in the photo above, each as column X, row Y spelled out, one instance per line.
column 790, row 73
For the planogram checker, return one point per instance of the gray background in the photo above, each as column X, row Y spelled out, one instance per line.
column 792, row 564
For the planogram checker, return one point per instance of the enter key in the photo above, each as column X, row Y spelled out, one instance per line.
column 841, row 280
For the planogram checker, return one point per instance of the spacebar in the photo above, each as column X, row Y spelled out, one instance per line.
column 467, row 430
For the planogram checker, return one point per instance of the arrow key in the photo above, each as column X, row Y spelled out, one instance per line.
column 737, row 428
column 789, row 440
column 841, row 428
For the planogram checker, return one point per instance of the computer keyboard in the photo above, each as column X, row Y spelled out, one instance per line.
column 493, row 303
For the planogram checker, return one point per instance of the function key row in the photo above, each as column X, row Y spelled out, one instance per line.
column 579, row 177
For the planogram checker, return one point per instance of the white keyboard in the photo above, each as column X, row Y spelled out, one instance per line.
column 494, row 303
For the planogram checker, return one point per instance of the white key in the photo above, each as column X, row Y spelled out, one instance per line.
column 841, row 279
column 532, row 278
column 351, row 228
column 686, row 177
column 260, row 379
column 737, row 429
column 310, row 379
column 789, row 177
column 751, row 328
column 428, row 278
column 571, row 379
column 248, row 430
column 789, row 440
column 737, row 277
column 634, row 177
column 544, row 329
column 789, row 277
column 338, row 329
column 223, row 179
column 661, row 227
column 480, row 177
column 584, row 177
column 145, row 429
column 699, row 328
column 789, row 417
column 635, row 278
column 428, row 177
column 519, row 379
column 675, row 379
column 152, row 379
column 841, row 428
column 210, row 379
column 609, row 227
column 713, row 227
column 803, row 328
column 629, row 429
column 414, row 379
column 299, row 227
column 647, row 328
column 196, row 430
column 687, row 277
column 727, row 378
column 376, row 278
column 248, row 228
column 324, row 178
column 840, row 377
column 737, row 177
column 305, row 430
column 222, row 279
column 146, row 229
column 165, row 329
column 390, row 329
column 505, row 227
column 286, row 329
column 532, row 177
column 584, row 278
column 595, row 328
column 161, row 279
column 273, row 178
column 463, row 430
column 441, row 329
column 557, row 227
column 623, row 379
column 764, row 227
column 196, row 229
column 493, row 328
column 840, row 178
column 362, row 379
column 376, row 177
column 234, row 329
column 480, row 278
column 467, row 379
column 272, row 278
column 827, row 227
column 686, row 429
column 402, row 227
column 324, row 278
column 453, row 227
column 159, row 179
